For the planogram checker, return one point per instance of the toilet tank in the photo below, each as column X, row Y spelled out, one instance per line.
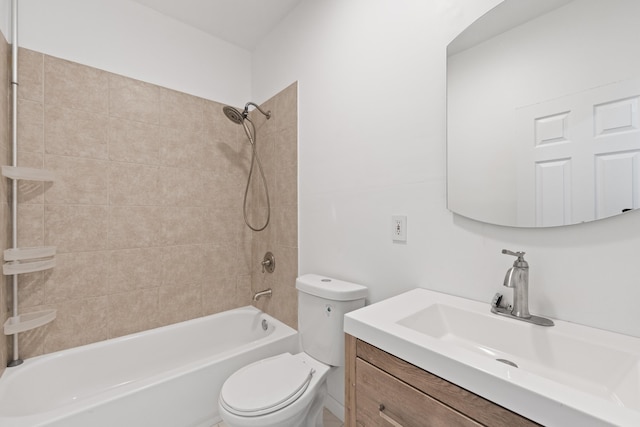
column 322, row 304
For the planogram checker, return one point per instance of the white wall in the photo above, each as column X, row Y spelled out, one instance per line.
column 372, row 144
column 127, row 38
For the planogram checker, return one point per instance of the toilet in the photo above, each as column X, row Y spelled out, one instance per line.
column 288, row 390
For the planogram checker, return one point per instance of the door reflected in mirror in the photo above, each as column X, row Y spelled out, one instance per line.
column 543, row 124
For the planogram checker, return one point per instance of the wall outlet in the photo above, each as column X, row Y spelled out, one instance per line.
column 399, row 228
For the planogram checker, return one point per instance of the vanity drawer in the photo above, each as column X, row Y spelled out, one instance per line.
column 385, row 401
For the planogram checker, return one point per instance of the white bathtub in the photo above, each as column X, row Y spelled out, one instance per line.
column 170, row 376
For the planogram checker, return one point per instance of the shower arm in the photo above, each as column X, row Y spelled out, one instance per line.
column 267, row 114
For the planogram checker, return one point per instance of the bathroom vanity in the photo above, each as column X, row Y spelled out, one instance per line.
column 383, row 390
column 425, row 358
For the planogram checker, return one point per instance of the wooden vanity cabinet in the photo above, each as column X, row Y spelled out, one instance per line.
column 384, row 391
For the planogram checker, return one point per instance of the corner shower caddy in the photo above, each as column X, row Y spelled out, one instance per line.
column 30, row 259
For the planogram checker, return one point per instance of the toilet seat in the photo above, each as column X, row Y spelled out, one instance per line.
column 266, row 386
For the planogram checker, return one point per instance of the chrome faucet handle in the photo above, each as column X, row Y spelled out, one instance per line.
column 518, row 254
column 520, row 262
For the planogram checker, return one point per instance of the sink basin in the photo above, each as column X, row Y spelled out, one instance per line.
column 569, row 360
column 562, row 375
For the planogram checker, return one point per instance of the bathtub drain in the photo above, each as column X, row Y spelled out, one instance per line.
column 265, row 325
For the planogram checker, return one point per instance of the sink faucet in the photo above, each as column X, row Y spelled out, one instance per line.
column 517, row 277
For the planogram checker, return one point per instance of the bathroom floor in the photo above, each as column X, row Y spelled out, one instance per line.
column 330, row 420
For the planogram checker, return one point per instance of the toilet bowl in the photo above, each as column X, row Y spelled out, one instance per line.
column 289, row 390
column 282, row 391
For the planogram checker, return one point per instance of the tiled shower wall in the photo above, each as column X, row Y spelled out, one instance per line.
column 5, row 159
column 146, row 211
column 277, row 142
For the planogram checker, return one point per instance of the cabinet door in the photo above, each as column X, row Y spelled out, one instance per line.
column 384, row 401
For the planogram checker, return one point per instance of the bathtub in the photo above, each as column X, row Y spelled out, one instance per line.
column 169, row 376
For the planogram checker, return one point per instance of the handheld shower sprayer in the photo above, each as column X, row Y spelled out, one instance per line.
column 241, row 118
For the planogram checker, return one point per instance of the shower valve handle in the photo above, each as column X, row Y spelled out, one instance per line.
column 268, row 263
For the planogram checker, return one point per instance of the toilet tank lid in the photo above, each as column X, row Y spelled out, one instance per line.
column 332, row 289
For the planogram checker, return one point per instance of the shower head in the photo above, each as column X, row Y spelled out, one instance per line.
column 234, row 115
column 238, row 117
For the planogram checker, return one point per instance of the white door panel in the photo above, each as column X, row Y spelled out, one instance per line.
column 582, row 155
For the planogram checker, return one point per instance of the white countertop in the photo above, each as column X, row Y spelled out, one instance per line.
column 546, row 398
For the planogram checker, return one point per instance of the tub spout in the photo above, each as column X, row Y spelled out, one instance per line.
column 265, row 293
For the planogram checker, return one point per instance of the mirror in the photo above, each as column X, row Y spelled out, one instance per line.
column 543, row 124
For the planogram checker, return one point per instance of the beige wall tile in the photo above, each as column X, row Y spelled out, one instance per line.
column 185, row 264
column 222, row 189
column 76, row 86
column 136, row 142
column 30, row 225
column 30, row 126
column 79, row 181
column 181, row 187
column 220, row 293
column 70, row 132
column 286, row 151
column 132, row 269
column 185, row 225
column 135, row 226
column 270, row 166
column 221, row 261
column 181, row 111
column 132, row 184
column 31, row 288
column 183, row 148
column 134, row 99
column 78, row 322
column 31, row 75
column 222, row 225
column 179, row 303
column 244, row 296
column 76, row 228
column 285, row 221
column 77, row 275
column 133, row 311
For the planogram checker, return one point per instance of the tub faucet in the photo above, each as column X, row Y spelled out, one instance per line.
column 265, row 293
column 517, row 277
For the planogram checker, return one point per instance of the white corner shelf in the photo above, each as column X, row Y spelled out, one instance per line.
column 28, row 321
column 29, row 174
column 11, row 268
column 21, row 254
